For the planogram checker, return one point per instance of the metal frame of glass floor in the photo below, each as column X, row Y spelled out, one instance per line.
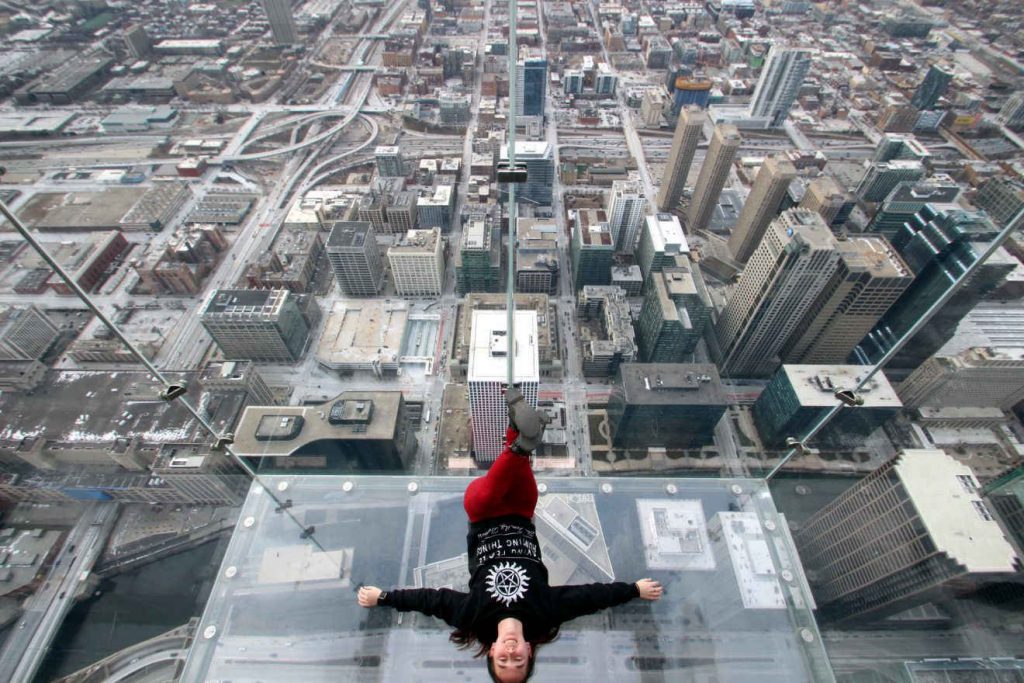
column 736, row 607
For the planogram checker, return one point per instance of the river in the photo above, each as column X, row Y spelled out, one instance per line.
column 132, row 607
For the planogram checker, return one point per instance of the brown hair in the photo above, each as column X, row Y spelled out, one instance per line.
column 465, row 639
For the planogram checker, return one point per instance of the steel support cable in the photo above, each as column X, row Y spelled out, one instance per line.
column 510, row 303
column 800, row 446
column 221, row 440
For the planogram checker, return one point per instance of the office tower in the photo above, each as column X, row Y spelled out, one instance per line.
column 454, row 108
column 673, row 316
column 540, row 170
column 434, row 210
column 537, row 266
column 882, row 178
column 897, row 115
column 934, row 86
column 825, row 198
column 417, row 263
column 1012, row 113
column 652, row 107
column 572, row 82
column 938, row 244
column 488, row 375
column 26, row 332
column 798, row 396
column 870, row 278
column 788, row 271
column 629, row 279
column 978, row 377
column 355, row 259
column 713, row 174
column 356, row 431
column 591, row 249
column 680, row 157
column 616, row 342
column 606, row 81
column 256, row 324
column 137, row 41
column 779, row 84
column 761, row 207
column 665, row 404
column 894, row 146
column 625, row 209
column 238, row 377
column 282, row 23
column 660, row 241
column 913, row 531
column 1001, row 198
column 531, row 82
column 478, row 260
column 906, row 199
column 389, row 161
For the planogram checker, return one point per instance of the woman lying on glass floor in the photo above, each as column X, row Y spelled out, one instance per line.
column 510, row 609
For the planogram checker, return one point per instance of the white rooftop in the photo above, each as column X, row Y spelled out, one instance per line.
column 815, row 385
column 488, row 352
column 945, row 493
column 667, row 234
column 528, row 148
column 751, row 560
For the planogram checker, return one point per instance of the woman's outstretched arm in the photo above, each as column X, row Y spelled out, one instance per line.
column 575, row 601
column 434, row 602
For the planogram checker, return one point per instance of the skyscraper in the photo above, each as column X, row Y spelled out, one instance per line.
column 26, row 332
column 488, row 374
column 980, row 377
column 798, row 396
column 660, row 241
column 938, row 244
column 713, row 174
column 674, row 314
column 625, row 209
column 934, row 86
column 1001, row 198
column 355, row 259
column 531, row 82
column 779, row 84
column 913, row 531
column 680, row 157
column 870, row 278
column 882, row 178
column 282, row 23
column 256, row 324
column 788, row 271
column 1012, row 113
column 137, row 41
column 907, row 198
column 540, row 169
column 761, row 207
column 417, row 263
column 665, row 404
column 389, row 161
column 592, row 250
column 825, row 198
column 895, row 146
column 478, row 261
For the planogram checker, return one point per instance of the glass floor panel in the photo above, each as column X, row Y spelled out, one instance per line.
column 736, row 604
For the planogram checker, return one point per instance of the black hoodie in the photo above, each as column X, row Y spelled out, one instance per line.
column 508, row 579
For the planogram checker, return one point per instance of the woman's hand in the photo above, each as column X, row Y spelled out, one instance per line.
column 649, row 589
column 368, row 596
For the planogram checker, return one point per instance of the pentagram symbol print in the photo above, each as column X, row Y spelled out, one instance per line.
column 507, row 582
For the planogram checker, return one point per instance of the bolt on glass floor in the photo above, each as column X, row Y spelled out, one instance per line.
column 736, row 604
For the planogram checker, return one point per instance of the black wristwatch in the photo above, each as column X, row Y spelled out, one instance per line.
column 382, row 599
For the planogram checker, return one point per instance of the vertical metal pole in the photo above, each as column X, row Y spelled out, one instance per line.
column 510, row 303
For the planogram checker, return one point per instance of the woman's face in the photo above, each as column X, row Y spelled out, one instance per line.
column 511, row 657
